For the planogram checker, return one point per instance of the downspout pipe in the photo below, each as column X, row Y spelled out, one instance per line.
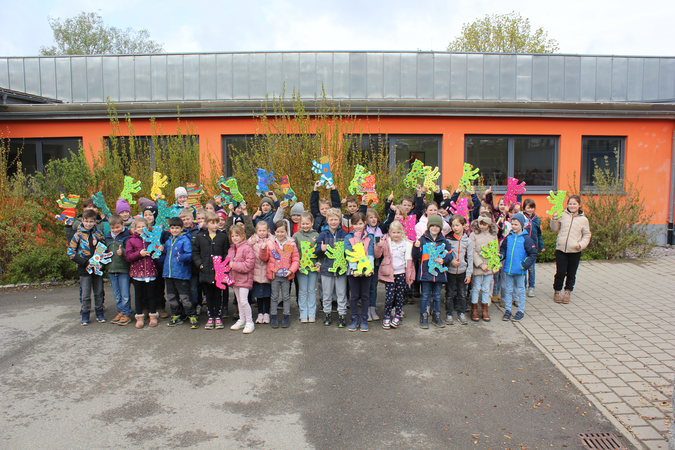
column 672, row 191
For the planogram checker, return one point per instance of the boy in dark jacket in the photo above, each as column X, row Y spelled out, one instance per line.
column 518, row 251
column 319, row 207
column 534, row 231
column 80, row 249
column 177, row 272
column 118, row 269
column 432, row 269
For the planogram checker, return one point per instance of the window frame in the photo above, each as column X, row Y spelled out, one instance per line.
column 224, row 150
column 39, row 155
column 147, row 139
column 392, row 148
column 510, row 165
column 622, row 159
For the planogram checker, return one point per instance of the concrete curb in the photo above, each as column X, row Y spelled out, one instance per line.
column 44, row 283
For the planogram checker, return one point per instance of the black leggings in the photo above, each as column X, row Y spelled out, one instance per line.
column 214, row 300
column 144, row 293
column 566, row 265
column 264, row 305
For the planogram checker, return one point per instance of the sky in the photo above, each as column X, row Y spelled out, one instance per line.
column 581, row 27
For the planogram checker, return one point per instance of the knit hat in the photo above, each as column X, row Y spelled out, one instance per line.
column 297, row 209
column 445, row 204
column 522, row 219
column 152, row 209
column 144, row 203
column 267, row 200
column 122, row 205
column 180, row 192
column 444, row 192
column 435, row 220
column 221, row 214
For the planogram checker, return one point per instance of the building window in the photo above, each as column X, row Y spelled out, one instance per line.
column 232, row 146
column 144, row 147
column 605, row 151
column 406, row 149
column 34, row 154
column 531, row 159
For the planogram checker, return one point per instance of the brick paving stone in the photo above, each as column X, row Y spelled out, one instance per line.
column 629, row 377
column 620, row 408
column 633, row 420
column 608, row 397
column 615, row 383
column 661, row 425
column 596, row 388
column 646, row 433
column 625, row 391
column 650, row 413
column 656, row 445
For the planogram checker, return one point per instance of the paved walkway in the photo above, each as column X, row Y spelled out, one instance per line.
column 615, row 340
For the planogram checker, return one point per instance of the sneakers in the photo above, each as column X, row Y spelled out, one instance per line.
column 436, row 320
column 274, row 321
column 518, row 317
column 507, row 316
column 342, row 321
column 364, row 323
column 424, row 321
column 99, row 316
column 354, row 323
column 175, row 320
column 449, row 320
column 530, row 292
column 85, row 319
column 260, row 318
column 238, row 325
column 194, row 322
column 286, row 321
column 311, row 320
column 266, row 318
column 396, row 322
column 116, row 320
column 248, row 329
column 461, row 318
column 219, row 323
column 124, row 320
column 386, row 323
column 566, row 298
column 494, row 299
column 210, row 324
column 327, row 320
column 304, row 320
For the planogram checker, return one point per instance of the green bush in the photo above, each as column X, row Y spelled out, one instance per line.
column 41, row 263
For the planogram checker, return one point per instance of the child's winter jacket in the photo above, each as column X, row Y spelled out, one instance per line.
column 81, row 247
column 260, row 269
column 479, row 239
column 368, row 244
column 141, row 266
column 204, row 249
column 462, row 248
column 347, row 219
column 534, row 230
column 178, row 262
column 518, row 251
column 475, row 209
column 249, row 229
column 242, row 261
column 329, row 238
column 572, row 229
column 118, row 263
column 320, row 223
column 386, row 273
column 274, row 265
column 421, row 253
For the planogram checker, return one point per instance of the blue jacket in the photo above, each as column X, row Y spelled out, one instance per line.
column 420, row 253
column 328, row 238
column 369, row 245
column 518, row 253
column 178, row 262
column 534, row 230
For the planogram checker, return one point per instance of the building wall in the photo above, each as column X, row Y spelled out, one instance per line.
column 647, row 154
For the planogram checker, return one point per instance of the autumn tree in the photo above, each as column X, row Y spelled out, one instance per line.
column 86, row 34
column 507, row 33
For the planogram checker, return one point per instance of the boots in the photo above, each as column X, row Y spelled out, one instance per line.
column 484, row 311
column 495, row 299
column 424, row 320
column 474, row 312
column 153, row 319
column 557, row 297
column 410, row 300
column 436, row 320
column 372, row 314
column 566, row 297
column 140, row 321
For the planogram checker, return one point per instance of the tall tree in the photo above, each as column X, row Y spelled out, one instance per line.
column 86, row 34
column 506, row 33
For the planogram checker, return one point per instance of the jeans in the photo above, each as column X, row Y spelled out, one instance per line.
column 339, row 284
column 566, row 265
column 373, row 286
column 530, row 276
column 284, row 285
column 514, row 283
column 120, row 286
column 431, row 291
column 307, row 294
column 360, row 291
column 178, row 293
column 456, row 285
column 499, row 278
column 87, row 283
column 481, row 285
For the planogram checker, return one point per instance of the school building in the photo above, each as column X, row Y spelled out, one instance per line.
column 539, row 118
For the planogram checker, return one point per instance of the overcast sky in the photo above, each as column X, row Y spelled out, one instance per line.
column 588, row 27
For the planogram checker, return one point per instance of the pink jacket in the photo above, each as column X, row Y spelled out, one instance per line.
column 242, row 262
column 386, row 274
column 260, row 269
column 273, row 265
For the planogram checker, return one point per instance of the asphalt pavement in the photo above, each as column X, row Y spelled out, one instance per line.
column 481, row 386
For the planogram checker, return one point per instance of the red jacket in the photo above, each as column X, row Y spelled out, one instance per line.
column 141, row 266
column 242, row 262
column 386, row 273
column 273, row 264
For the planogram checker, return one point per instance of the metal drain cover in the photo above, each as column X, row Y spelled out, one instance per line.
column 601, row 441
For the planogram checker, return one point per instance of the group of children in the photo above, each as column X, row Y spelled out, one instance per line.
column 260, row 256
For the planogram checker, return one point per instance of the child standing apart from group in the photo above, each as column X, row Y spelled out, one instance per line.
column 396, row 271
column 307, row 281
column 242, row 262
column 282, row 263
column 359, row 280
column 518, row 251
column 484, row 232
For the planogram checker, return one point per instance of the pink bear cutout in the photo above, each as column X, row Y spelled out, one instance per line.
column 409, row 227
column 221, row 268
column 461, row 207
column 512, row 190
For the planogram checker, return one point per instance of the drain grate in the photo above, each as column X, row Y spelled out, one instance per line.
column 601, row 441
